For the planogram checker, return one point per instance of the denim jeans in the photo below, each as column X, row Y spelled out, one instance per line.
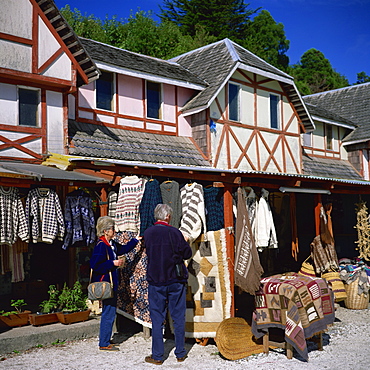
column 175, row 296
column 107, row 320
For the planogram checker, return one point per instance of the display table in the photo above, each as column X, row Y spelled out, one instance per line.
column 300, row 305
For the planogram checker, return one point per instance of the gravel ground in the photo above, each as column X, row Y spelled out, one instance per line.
column 346, row 343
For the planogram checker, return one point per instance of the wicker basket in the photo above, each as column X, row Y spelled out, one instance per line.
column 336, row 284
column 307, row 268
column 355, row 301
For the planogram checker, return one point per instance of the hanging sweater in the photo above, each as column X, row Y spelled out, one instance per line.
column 193, row 217
column 129, row 197
column 44, row 214
column 12, row 217
column 214, row 204
column 170, row 191
column 79, row 219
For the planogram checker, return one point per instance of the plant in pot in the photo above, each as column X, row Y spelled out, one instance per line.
column 72, row 304
column 48, row 309
column 15, row 317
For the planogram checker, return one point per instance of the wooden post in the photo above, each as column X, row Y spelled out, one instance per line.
column 103, row 202
column 317, row 213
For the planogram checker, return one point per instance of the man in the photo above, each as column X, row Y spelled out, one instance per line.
column 166, row 247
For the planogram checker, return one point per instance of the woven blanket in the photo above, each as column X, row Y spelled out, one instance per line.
column 208, row 299
column 300, row 305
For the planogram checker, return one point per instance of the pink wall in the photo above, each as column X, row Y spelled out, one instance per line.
column 130, row 93
column 86, row 96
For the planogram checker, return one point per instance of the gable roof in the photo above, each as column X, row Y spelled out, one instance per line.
column 90, row 140
column 71, row 40
column 352, row 103
column 107, row 56
column 215, row 63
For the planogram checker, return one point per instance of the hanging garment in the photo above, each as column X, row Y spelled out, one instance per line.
column 151, row 198
column 5, row 258
column 214, row 205
column 12, row 217
column 129, row 197
column 170, row 191
column 44, row 215
column 251, row 203
column 265, row 228
column 193, row 217
column 79, row 219
column 248, row 270
column 16, row 265
column 112, row 203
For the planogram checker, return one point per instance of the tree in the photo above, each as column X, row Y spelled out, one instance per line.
column 315, row 74
column 266, row 38
column 362, row 77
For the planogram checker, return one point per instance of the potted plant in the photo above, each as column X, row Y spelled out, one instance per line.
column 72, row 304
column 48, row 309
column 16, row 317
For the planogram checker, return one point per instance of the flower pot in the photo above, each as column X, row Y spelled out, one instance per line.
column 15, row 319
column 43, row 318
column 69, row 318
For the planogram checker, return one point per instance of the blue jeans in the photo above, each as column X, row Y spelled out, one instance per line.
column 173, row 295
column 107, row 320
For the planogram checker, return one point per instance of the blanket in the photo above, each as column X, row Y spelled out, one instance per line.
column 300, row 305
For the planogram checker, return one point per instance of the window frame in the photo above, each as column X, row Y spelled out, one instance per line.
column 329, row 141
column 231, row 103
column 307, row 135
column 158, row 104
column 277, row 108
column 113, row 90
column 37, row 118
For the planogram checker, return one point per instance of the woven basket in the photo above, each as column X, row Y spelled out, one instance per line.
column 307, row 268
column 355, row 301
column 336, row 284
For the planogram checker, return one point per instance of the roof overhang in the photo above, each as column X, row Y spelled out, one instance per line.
column 332, row 122
column 346, row 143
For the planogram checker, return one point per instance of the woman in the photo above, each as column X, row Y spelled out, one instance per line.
column 104, row 260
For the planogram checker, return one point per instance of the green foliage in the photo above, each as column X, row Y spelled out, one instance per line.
column 50, row 305
column 18, row 304
column 58, row 342
column 362, row 78
column 72, row 299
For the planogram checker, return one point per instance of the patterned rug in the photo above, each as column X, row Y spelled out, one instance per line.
column 300, row 305
column 208, row 299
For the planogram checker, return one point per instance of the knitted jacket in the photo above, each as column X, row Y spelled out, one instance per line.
column 44, row 215
column 79, row 219
column 129, row 197
column 12, row 217
column 214, row 204
column 112, row 203
column 170, row 191
column 193, row 217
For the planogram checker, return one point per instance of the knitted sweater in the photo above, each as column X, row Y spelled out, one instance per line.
column 193, row 218
column 214, row 204
column 129, row 197
column 44, row 215
column 170, row 191
column 112, row 203
column 12, row 217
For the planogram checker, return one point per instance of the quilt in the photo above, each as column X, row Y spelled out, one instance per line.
column 300, row 305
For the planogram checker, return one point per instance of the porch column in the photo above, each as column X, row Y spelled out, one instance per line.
column 318, row 204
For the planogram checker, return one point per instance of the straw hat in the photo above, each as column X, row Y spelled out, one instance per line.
column 234, row 339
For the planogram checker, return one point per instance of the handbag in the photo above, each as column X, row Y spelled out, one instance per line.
column 179, row 267
column 100, row 290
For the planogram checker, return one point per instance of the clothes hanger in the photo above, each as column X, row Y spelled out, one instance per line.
column 167, row 181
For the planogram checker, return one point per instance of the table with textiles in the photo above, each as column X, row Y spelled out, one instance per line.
column 300, row 305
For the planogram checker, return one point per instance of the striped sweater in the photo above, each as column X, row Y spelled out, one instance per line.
column 193, row 211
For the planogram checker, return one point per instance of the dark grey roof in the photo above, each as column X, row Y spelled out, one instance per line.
column 70, row 39
column 215, row 62
column 323, row 113
column 40, row 172
column 352, row 103
column 329, row 168
column 97, row 141
column 137, row 62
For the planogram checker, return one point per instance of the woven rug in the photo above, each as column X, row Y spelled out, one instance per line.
column 208, row 299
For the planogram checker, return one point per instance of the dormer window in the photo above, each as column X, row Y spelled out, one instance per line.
column 234, row 114
column 274, row 111
column 153, row 100
column 105, row 91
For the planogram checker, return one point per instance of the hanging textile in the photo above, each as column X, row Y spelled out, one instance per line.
column 193, row 211
column 214, row 205
column 151, row 198
column 79, row 219
column 5, row 258
column 12, row 217
column 129, row 197
column 44, row 214
column 170, row 191
column 16, row 265
column 248, row 270
column 293, row 221
column 112, row 203
column 265, row 228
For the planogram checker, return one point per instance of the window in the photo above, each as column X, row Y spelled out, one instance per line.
column 234, row 102
column 274, row 111
column 153, row 100
column 104, row 91
column 329, row 137
column 28, row 107
column 307, row 139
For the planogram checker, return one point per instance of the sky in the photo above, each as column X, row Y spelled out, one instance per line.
column 340, row 29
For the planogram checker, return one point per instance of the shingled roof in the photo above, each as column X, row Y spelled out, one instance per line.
column 352, row 103
column 215, row 64
column 90, row 140
column 131, row 61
